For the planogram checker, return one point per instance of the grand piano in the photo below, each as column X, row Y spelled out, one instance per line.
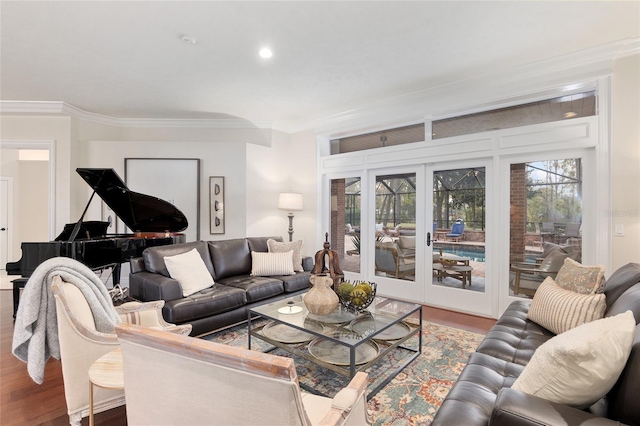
column 154, row 222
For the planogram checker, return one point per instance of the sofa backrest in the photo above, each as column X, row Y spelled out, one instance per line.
column 620, row 281
column 230, row 257
column 622, row 400
column 260, row 243
column 154, row 256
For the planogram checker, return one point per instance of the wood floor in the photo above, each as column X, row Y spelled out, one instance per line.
column 22, row 402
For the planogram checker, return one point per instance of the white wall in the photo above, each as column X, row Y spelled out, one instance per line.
column 625, row 160
column 216, row 159
column 287, row 165
column 33, row 203
column 57, row 129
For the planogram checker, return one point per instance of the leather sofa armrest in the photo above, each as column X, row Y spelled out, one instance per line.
column 136, row 265
column 146, row 286
column 516, row 408
column 307, row 263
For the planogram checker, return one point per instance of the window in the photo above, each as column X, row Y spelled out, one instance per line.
column 562, row 108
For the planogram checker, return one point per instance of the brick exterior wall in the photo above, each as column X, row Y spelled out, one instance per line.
column 338, row 203
column 518, row 214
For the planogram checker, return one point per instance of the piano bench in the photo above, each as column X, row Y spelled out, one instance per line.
column 18, row 284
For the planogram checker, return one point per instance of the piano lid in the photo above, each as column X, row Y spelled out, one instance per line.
column 140, row 212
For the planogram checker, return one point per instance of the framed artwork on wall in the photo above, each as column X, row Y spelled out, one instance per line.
column 216, row 204
column 175, row 180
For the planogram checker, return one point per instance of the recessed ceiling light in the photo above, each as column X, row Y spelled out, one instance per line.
column 265, row 52
column 189, row 40
column 570, row 114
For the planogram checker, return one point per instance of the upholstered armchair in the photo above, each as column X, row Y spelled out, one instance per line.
column 195, row 381
column 81, row 345
column 390, row 260
column 525, row 278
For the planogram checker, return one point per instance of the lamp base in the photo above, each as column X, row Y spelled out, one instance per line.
column 290, row 226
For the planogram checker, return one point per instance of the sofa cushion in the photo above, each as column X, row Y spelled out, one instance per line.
column 580, row 278
column 208, row 302
column 560, row 310
column 296, row 282
column 269, row 264
column 515, row 338
column 621, row 280
column 282, row 247
column 230, row 257
column 154, row 256
column 473, row 396
column 190, row 271
column 580, row 366
column 256, row 288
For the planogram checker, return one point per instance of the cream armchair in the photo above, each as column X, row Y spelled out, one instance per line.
column 81, row 345
column 198, row 382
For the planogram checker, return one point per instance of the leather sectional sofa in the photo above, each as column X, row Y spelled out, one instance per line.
column 482, row 394
column 235, row 291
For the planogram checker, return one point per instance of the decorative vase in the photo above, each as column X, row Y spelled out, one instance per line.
column 321, row 299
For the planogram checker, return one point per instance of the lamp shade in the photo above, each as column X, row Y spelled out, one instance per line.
column 290, row 201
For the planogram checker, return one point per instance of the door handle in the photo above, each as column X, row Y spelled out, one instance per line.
column 428, row 239
column 3, row 229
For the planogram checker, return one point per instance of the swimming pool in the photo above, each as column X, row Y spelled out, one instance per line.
column 475, row 253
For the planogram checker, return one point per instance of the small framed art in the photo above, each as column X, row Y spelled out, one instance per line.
column 216, row 204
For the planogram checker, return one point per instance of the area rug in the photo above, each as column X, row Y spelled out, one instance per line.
column 413, row 396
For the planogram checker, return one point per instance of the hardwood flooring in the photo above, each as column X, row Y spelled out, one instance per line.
column 23, row 402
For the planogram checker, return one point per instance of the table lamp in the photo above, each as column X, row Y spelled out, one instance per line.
column 290, row 201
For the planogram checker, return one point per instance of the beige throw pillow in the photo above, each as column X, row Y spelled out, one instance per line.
column 190, row 271
column 268, row 264
column 580, row 366
column 559, row 310
column 280, row 247
column 581, row 278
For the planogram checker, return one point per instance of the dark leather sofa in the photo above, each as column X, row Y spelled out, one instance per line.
column 483, row 395
column 235, row 290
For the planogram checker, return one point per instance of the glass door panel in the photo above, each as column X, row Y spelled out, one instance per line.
column 459, row 225
column 345, row 221
column 395, row 226
column 458, row 257
column 545, row 221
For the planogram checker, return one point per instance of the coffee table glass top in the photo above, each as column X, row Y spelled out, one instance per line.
column 383, row 320
column 384, row 339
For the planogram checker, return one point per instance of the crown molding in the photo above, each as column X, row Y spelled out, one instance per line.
column 63, row 108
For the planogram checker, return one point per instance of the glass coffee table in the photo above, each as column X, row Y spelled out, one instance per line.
column 389, row 332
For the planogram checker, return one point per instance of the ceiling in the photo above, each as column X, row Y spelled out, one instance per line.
column 128, row 60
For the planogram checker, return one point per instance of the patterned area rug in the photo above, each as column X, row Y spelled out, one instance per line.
column 413, row 396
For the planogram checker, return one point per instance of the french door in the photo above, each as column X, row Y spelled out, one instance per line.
column 458, row 251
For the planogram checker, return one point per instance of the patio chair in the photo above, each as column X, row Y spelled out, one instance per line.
column 572, row 234
column 548, row 230
column 525, row 278
column 456, row 231
column 390, row 261
column 182, row 380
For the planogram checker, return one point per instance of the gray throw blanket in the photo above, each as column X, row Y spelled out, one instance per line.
column 35, row 334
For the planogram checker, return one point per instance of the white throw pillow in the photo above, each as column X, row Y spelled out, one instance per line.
column 190, row 271
column 580, row 366
column 280, row 247
column 559, row 310
column 267, row 264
